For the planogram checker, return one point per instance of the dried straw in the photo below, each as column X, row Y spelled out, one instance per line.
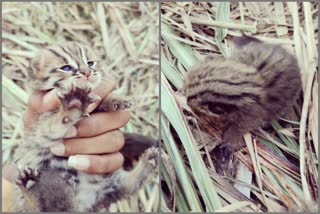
column 282, row 161
column 124, row 35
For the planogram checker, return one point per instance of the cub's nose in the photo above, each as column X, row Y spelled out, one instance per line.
column 86, row 73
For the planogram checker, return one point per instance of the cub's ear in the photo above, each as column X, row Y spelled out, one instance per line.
column 244, row 40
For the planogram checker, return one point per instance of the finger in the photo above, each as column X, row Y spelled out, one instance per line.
column 102, row 90
column 108, row 142
column 43, row 102
column 37, row 103
column 8, row 196
column 9, row 172
column 97, row 164
column 105, row 87
column 101, row 122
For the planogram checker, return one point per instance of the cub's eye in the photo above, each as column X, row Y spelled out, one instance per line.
column 216, row 109
column 90, row 63
column 66, row 68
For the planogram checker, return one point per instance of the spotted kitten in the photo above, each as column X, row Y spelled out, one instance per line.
column 235, row 95
column 59, row 66
column 45, row 181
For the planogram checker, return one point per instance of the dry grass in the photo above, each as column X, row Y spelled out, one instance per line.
column 125, row 35
column 278, row 169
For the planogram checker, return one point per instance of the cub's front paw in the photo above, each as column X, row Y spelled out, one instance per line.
column 27, row 177
column 75, row 103
column 114, row 104
column 77, row 98
column 151, row 157
column 117, row 105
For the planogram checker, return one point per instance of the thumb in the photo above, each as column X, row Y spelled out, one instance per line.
column 43, row 101
column 9, row 172
column 40, row 102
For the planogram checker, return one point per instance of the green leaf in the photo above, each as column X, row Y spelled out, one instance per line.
column 183, row 52
column 198, row 167
column 171, row 74
column 182, row 175
column 222, row 14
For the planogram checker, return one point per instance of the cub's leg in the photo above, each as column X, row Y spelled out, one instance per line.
column 136, row 144
column 122, row 184
column 45, row 191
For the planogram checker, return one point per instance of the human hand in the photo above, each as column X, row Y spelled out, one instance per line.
column 7, row 196
column 93, row 144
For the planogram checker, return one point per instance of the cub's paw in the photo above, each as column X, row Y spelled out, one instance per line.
column 121, row 104
column 224, row 161
column 27, row 177
column 223, row 152
column 117, row 105
column 75, row 103
column 114, row 104
column 127, row 104
column 77, row 98
column 151, row 157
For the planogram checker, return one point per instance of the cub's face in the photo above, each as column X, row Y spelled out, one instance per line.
column 60, row 66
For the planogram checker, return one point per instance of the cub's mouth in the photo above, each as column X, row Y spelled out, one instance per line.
column 85, row 82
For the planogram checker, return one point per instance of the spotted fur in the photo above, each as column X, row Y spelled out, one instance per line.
column 57, row 187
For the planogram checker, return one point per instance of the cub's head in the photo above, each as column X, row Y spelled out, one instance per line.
column 59, row 66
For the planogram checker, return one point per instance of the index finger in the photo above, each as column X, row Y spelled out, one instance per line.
column 106, row 86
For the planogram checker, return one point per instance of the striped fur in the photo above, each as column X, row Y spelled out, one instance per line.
column 234, row 95
column 59, row 187
column 46, row 73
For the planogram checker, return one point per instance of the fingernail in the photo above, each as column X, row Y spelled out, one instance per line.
column 58, row 149
column 72, row 132
column 49, row 96
column 79, row 162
